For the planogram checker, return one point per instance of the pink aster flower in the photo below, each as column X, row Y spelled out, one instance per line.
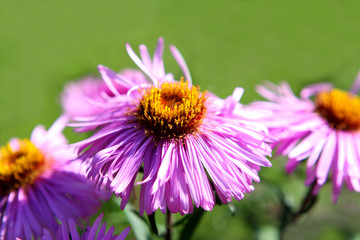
column 188, row 144
column 95, row 232
column 39, row 184
column 324, row 130
column 87, row 96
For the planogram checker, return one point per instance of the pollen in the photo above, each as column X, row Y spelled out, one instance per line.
column 340, row 109
column 20, row 167
column 171, row 111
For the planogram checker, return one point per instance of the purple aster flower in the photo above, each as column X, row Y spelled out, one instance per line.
column 68, row 229
column 87, row 96
column 39, row 184
column 187, row 143
column 323, row 129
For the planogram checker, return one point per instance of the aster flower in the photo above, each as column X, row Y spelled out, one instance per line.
column 187, row 143
column 39, row 184
column 321, row 126
column 94, row 232
column 86, row 97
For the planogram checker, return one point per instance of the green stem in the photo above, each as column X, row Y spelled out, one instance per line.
column 169, row 221
column 290, row 217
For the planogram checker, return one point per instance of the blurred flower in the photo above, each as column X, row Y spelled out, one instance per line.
column 87, row 96
column 94, row 232
column 324, row 131
column 187, row 143
column 39, row 184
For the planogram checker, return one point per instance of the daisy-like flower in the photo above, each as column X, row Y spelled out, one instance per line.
column 87, row 96
column 39, row 184
column 187, row 143
column 95, row 232
column 321, row 126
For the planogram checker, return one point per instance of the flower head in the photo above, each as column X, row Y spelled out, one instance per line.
column 94, row 232
column 188, row 144
column 323, row 126
column 87, row 96
column 38, row 184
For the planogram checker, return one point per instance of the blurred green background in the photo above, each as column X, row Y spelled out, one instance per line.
column 44, row 44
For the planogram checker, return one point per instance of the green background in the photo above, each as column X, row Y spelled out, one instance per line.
column 44, row 44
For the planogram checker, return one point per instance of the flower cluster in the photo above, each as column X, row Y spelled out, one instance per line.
column 182, row 146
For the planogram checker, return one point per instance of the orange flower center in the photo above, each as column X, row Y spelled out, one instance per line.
column 20, row 167
column 340, row 109
column 172, row 110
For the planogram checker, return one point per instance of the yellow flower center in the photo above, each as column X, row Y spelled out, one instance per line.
column 20, row 167
column 341, row 109
column 172, row 110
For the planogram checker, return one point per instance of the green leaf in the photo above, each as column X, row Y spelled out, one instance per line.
column 152, row 222
column 194, row 220
column 137, row 223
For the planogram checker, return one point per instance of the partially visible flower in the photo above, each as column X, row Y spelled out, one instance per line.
column 188, row 144
column 87, row 96
column 40, row 183
column 95, row 232
column 325, row 131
